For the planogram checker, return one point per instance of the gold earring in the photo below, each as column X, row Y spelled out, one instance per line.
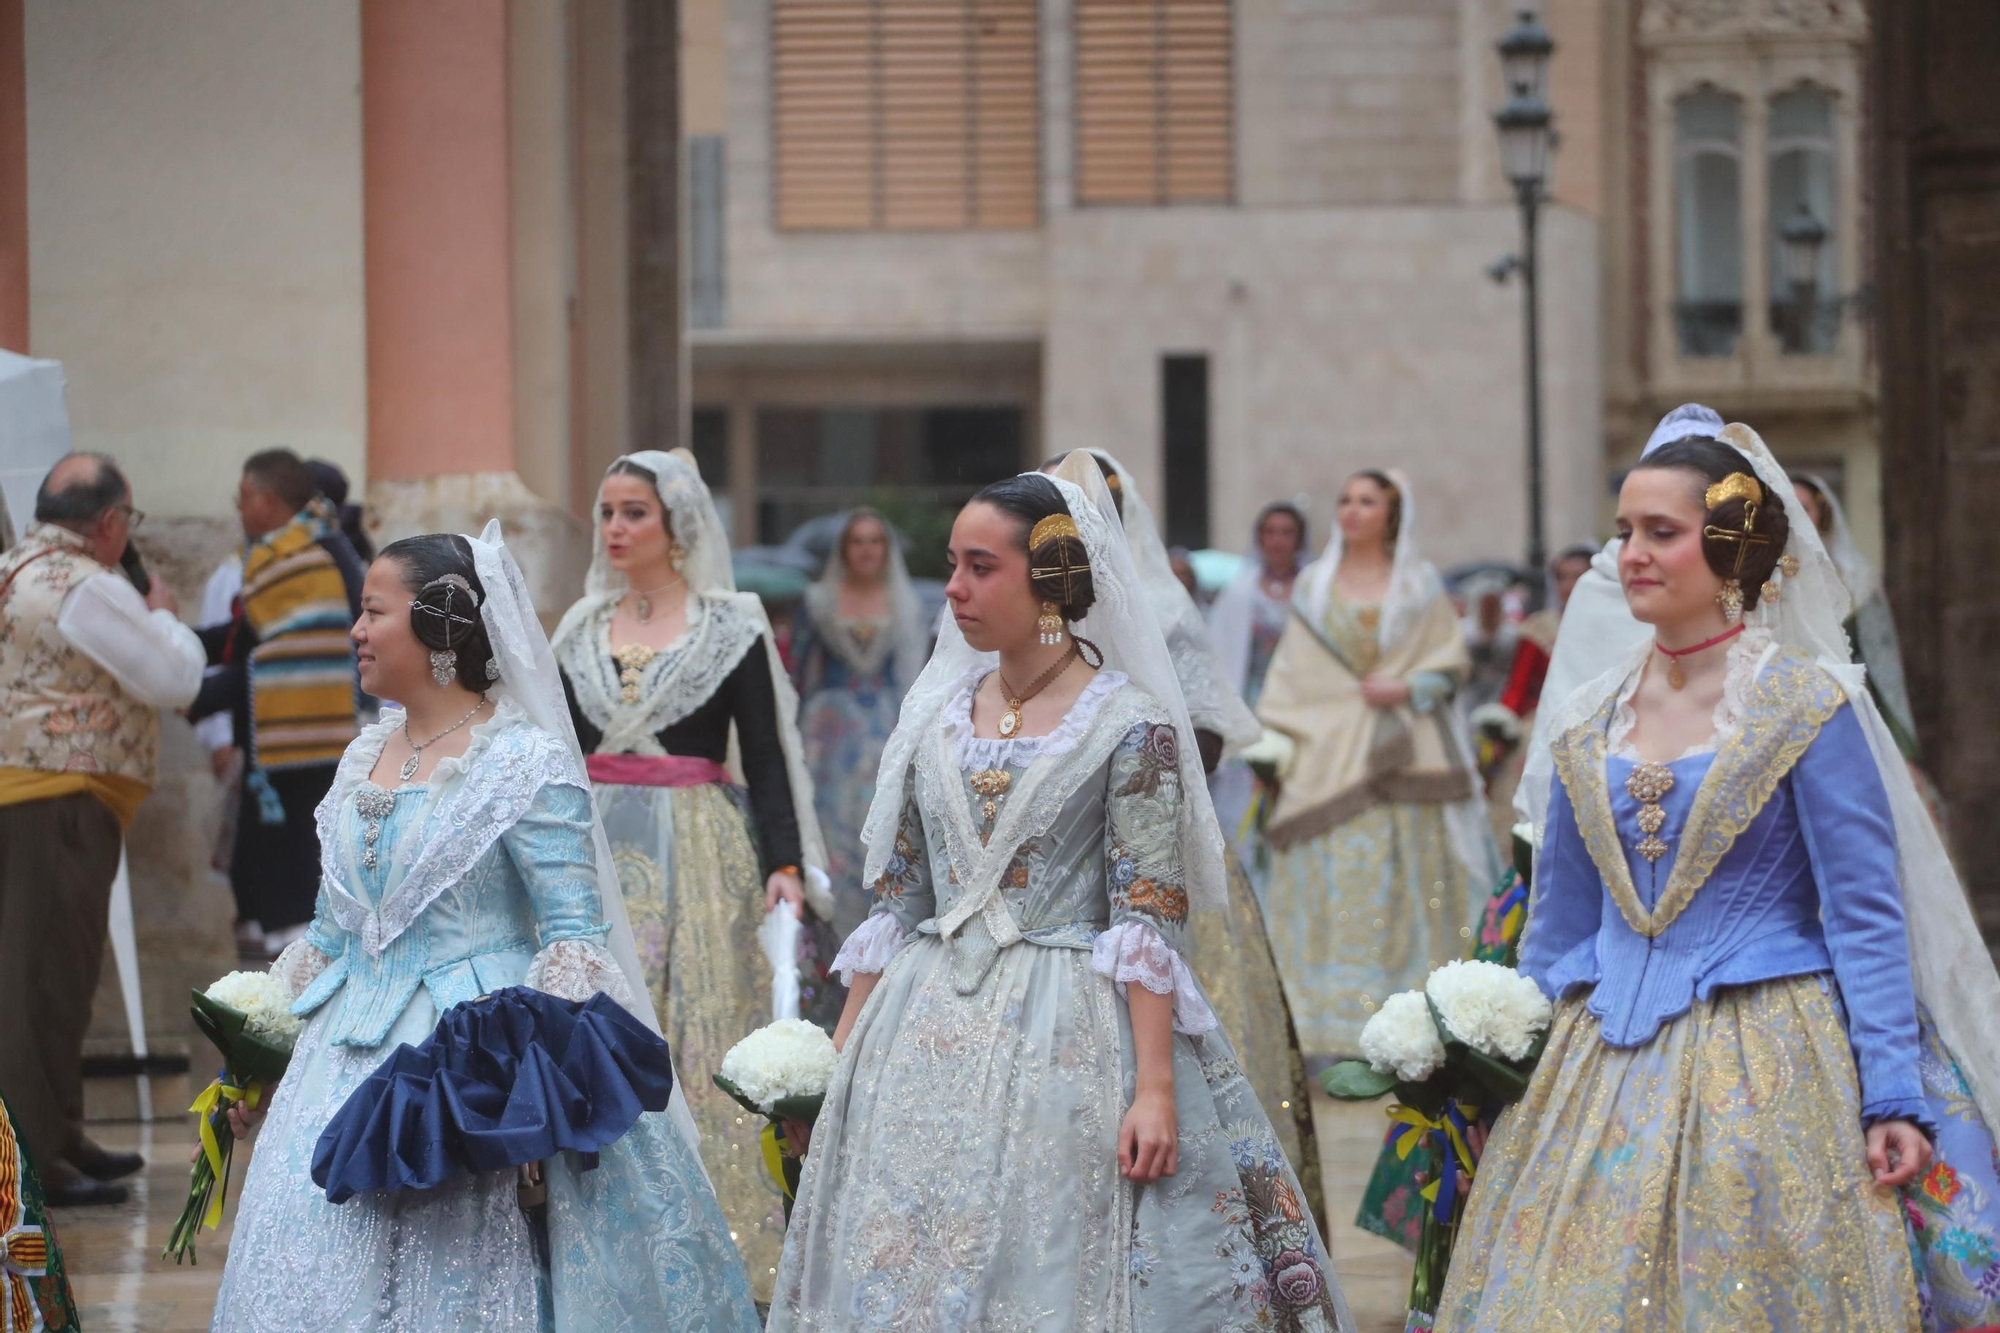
column 1730, row 599
column 1050, row 624
column 676, row 555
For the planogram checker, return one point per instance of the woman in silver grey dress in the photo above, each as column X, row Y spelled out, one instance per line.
column 1017, row 1136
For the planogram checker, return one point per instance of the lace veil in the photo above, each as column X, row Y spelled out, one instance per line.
column 1213, row 702
column 910, row 641
column 1874, row 623
column 1596, row 629
column 1953, row 972
column 695, row 524
column 1412, row 580
column 528, row 676
column 1122, row 623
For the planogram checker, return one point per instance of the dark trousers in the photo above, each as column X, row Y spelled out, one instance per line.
column 57, row 860
column 274, row 868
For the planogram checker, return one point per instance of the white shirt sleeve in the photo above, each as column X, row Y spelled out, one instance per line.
column 218, row 729
column 157, row 659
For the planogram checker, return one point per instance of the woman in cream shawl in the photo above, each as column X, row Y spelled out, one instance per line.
column 1380, row 853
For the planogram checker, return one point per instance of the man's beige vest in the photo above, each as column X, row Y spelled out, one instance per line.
column 60, row 712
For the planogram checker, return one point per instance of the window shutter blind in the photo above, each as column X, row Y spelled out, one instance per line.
column 911, row 115
column 1154, row 102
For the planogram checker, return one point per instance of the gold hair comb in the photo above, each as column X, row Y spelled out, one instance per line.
column 1052, row 528
column 1735, row 486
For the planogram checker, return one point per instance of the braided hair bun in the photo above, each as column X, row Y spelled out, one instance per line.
column 1728, row 532
column 1058, row 565
column 445, row 599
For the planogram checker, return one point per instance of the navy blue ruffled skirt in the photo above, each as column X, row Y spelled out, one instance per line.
column 510, row 1078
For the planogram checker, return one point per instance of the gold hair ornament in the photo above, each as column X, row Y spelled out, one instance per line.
column 1736, row 486
column 1056, row 528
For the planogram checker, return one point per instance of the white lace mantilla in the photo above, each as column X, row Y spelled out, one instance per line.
column 474, row 798
column 1134, row 951
column 1745, row 657
column 977, row 752
column 680, row 679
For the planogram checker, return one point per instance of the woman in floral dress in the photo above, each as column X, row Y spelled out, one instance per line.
column 1017, row 1136
column 859, row 641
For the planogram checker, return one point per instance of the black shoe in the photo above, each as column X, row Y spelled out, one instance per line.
column 84, row 1192
column 104, row 1164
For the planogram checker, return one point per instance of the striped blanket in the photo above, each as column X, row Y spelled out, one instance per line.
column 302, row 683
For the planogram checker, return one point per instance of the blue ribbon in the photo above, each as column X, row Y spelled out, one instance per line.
column 1447, row 1193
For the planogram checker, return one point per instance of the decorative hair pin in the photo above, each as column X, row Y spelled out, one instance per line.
column 1051, row 528
column 444, row 661
column 1736, row 486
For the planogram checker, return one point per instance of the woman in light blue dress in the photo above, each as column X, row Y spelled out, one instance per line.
column 462, row 857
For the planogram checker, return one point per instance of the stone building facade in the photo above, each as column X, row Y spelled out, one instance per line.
column 919, row 244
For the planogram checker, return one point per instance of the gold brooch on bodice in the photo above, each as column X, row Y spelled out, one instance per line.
column 632, row 659
column 992, row 784
column 1646, row 785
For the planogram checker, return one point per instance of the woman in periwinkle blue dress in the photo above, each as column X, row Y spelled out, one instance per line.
column 858, row 644
column 1743, row 914
column 461, row 857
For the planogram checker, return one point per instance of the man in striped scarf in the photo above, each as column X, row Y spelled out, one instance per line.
column 289, row 682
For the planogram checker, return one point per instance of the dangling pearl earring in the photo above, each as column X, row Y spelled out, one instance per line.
column 1050, row 624
column 1730, row 599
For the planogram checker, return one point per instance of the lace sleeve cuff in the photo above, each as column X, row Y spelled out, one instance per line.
column 1133, row 950
column 871, row 946
column 299, row 965
column 577, row 970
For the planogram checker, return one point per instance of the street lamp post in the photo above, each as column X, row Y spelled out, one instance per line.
column 1800, row 239
column 1526, row 134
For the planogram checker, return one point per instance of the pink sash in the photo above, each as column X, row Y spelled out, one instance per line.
column 654, row 770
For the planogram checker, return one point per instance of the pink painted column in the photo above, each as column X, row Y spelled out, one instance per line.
column 13, row 178
column 439, row 254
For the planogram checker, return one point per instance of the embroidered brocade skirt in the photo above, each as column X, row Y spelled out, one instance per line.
column 1362, row 911
column 1231, row 954
column 694, row 888
column 1712, row 1179
column 963, row 1175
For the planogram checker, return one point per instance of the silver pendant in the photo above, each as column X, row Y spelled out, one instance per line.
column 410, row 765
column 644, row 609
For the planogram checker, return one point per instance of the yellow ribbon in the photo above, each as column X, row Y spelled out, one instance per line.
column 774, row 1156
column 213, row 1096
column 1250, row 815
column 1420, row 1124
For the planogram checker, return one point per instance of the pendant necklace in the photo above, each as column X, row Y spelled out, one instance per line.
column 642, row 609
column 415, row 761
column 1010, row 721
column 1676, row 677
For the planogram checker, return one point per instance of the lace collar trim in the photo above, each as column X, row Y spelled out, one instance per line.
column 679, row 679
column 979, row 752
column 1738, row 682
column 468, row 805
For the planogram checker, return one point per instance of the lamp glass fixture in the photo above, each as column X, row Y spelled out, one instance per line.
column 1524, row 53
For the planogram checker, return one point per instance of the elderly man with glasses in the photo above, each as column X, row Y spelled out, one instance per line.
column 86, row 662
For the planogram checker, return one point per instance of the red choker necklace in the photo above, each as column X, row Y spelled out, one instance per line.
column 1675, row 676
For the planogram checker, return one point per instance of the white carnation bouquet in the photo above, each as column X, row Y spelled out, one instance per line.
column 248, row 1015
column 1453, row 1054
column 781, row 1072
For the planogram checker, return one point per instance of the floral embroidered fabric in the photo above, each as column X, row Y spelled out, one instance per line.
column 913, row 1216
